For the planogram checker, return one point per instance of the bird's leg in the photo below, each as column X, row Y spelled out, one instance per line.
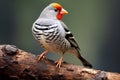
column 39, row 57
column 59, row 61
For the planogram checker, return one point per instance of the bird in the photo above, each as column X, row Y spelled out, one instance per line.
column 54, row 36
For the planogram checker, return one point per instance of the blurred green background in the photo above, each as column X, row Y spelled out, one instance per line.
column 94, row 23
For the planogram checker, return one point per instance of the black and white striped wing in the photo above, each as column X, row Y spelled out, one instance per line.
column 74, row 44
column 69, row 36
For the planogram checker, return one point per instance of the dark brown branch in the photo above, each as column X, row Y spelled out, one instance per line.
column 16, row 64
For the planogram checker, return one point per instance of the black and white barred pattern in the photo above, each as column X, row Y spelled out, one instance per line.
column 51, row 35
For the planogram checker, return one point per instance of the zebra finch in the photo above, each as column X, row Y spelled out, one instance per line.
column 54, row 36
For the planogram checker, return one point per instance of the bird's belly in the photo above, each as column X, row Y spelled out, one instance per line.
column 54, row 46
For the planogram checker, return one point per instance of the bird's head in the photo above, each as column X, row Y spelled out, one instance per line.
column 53, row 11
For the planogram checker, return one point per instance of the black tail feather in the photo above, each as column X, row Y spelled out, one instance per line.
column 85, row 62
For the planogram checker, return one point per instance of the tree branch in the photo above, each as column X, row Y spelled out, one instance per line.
column 16, row 64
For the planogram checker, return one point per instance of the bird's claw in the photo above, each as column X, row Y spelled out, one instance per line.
column 40, row 57
column 59, row 62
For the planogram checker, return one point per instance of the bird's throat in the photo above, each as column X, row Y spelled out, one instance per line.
column 59, row 16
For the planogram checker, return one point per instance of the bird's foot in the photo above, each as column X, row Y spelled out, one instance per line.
column 42, row 56
column 59, row 62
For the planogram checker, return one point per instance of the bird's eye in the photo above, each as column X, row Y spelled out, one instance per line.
column 55, row 10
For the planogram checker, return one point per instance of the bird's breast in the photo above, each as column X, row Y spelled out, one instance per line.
column 54, row 42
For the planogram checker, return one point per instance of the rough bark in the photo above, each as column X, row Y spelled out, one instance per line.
column 16, row 64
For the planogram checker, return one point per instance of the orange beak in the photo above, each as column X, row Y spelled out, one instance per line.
column 63, row 11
